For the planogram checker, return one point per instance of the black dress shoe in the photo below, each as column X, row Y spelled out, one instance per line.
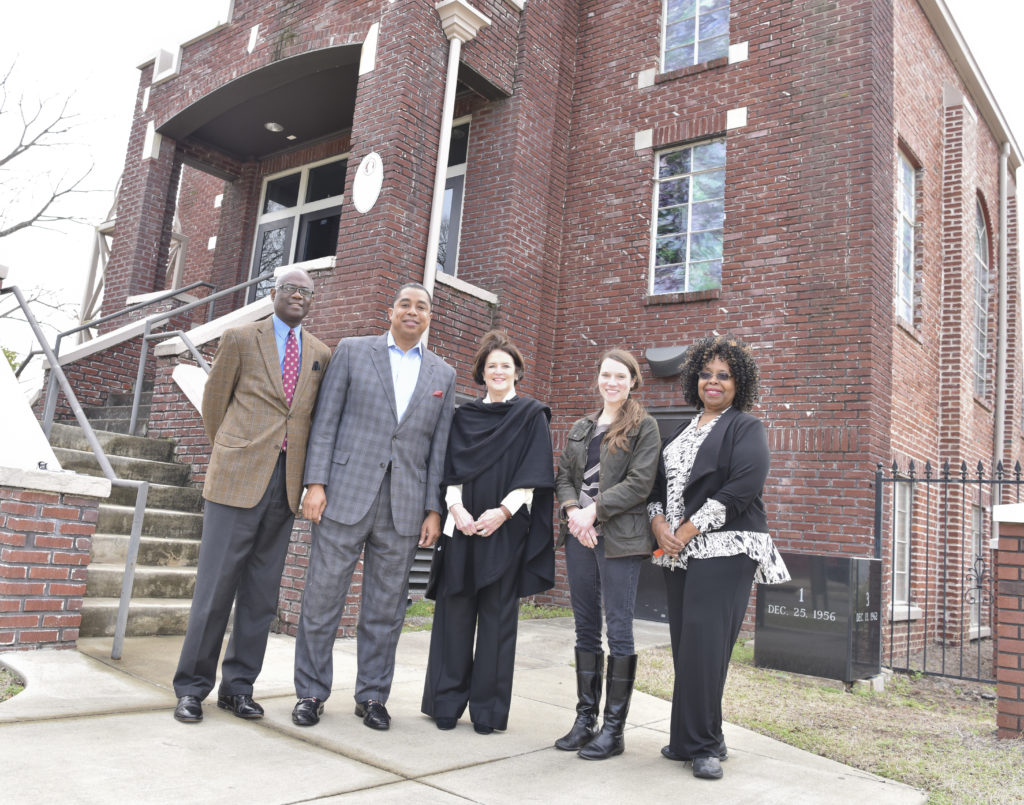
column 707, row 768
column 483, row 729
column 241, row 704
column 307, row 711
column 189, row 709
column 445, row 723
column 666, row 752
column 374, row 714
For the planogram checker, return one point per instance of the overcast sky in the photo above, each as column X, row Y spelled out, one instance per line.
column 90, row 50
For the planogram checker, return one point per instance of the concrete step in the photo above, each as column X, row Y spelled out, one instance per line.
column 115, row 413
column 71, row 436
column 160, row 472
column 104, row 581
column 161, row 496
column 120, row 426
column 154, row 551
column 155, row 523
column 146, row 616
column 128, row 397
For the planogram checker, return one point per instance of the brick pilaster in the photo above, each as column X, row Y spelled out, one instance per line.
column 45, row 538
column 1009, row 654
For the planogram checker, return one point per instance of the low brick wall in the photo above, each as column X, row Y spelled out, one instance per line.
column 45, row 538
column 1009, row 655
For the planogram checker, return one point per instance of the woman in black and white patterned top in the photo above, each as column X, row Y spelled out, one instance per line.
column 709, row 520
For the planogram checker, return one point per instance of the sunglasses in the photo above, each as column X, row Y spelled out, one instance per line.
column 721, row 377
column 288, row 289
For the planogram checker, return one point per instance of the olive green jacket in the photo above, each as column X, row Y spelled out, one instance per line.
column 626, row 480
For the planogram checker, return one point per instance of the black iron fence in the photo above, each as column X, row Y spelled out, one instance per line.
column 933, row 529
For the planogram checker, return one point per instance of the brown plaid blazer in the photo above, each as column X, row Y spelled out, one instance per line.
column 247, row 418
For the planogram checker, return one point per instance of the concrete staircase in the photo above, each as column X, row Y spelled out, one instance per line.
column 171, row 530
column 116, row 415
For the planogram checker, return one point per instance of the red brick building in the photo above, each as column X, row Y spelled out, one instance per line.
column 830, row 181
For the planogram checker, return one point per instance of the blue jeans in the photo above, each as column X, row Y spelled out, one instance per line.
column 593, row 578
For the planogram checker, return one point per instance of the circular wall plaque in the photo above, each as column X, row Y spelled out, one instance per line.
column 369, row 178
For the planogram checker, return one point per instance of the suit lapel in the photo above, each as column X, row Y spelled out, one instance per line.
column 382, row 363
column 423, row 382
column 268, row 348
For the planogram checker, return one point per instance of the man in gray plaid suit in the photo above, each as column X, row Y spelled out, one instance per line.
column 373, row 476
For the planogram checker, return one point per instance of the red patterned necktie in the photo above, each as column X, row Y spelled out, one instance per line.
column 290, row 371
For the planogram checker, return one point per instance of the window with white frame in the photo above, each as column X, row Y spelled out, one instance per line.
column 980, row 308
column 906, row 218
column 693, row 32
column 451, row 215
column 300, row 212
column 901, row 542
column 689, row 200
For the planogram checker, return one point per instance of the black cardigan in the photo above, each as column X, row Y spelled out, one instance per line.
column 730, row 466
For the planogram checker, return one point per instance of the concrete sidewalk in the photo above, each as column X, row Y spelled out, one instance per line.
column 88, row 729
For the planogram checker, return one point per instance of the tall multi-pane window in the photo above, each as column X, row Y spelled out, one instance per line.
column 901, row 542
column 451, row 214
column 980, row 318
column 694, row 31
column 690, row 205
column 300, row 213
column 906, row 217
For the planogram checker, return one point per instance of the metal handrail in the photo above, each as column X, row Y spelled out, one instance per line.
column 50, row 405
column 147, row 335
column 141, row 487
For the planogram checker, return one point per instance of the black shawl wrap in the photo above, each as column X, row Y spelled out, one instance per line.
column 495, row 448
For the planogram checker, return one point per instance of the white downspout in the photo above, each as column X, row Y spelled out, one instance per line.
column 461, row 23
column 1001, row 325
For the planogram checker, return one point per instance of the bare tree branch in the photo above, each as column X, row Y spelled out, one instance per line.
column 34, row 127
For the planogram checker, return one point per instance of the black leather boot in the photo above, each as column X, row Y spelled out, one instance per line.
column 589, row 669
column 608, row 742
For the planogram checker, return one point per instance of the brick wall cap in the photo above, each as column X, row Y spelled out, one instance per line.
column 184, row 298
column 213, row 330
column 1008, row 513
column 102, row 342
column 71, row 483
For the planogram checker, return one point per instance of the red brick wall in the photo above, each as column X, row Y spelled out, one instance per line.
column 1009, row 657
column 935, row 414
column 45, row 538
column 174, row 417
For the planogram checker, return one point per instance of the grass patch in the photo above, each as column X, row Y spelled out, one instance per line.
column 10, row 684
column 419, row 615
column 927, row 732
column 529, row 612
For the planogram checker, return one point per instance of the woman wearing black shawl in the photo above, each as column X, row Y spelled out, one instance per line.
column 498, row 547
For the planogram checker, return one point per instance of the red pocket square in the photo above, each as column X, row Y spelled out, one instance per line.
column 438, row 393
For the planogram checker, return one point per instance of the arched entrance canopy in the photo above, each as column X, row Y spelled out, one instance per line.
column 310, row 96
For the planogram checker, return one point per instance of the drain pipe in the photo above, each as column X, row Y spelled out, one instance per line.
column 461, row 23
column 999, row 430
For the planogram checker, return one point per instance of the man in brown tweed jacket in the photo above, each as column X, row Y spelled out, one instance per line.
column 257, row 408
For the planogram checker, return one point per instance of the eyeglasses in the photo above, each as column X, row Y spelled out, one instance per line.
column 288, row 289
column 721, row 377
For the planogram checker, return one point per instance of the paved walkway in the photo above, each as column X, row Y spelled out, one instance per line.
column 88, row 729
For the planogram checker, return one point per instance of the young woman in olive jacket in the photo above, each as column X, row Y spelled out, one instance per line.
column 605, row 474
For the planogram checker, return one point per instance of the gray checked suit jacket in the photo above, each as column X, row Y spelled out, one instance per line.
column 356, row 433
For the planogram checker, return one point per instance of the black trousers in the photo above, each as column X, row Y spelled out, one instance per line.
column 706, row 605
column 241, row 559
column 456, row 675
